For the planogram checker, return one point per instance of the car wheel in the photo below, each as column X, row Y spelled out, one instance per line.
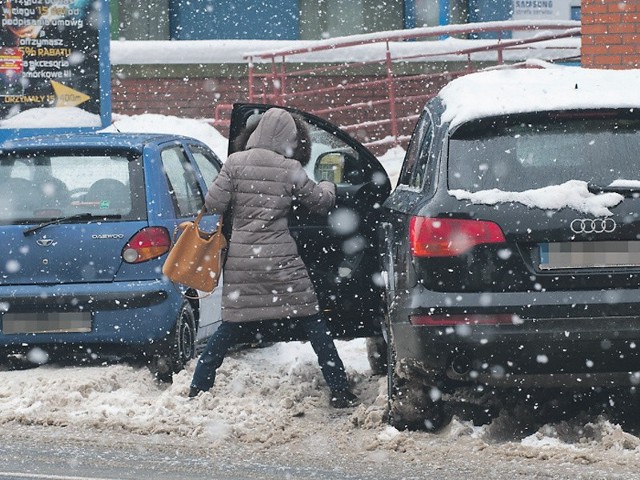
column 377, row 355
column 178, row 348
column 377, row 351
column 411, row 405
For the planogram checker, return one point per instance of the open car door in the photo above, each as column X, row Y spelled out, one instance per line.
column 339, row 250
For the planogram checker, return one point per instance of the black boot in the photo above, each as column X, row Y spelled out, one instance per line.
column 343, row 399
column 193, row 392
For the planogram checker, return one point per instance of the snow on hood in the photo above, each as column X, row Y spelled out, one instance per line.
column 573, row 194
column 499, row 92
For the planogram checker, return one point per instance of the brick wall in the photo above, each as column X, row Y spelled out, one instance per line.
column 197, row 97
column 610, row 34
column 187, row 97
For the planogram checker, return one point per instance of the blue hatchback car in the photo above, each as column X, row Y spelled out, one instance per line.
column 85, row 223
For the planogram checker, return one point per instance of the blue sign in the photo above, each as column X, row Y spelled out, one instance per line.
column 236, row 19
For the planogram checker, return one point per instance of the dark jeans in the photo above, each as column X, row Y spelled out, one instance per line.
column 230, row 334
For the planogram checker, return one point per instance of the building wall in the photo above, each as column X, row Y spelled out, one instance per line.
column 313, row 19
column 254, row 19
column 139, row 19
column 610, row 34
column 180, row 97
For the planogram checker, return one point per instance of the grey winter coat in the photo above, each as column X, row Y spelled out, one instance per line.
column 264, row 276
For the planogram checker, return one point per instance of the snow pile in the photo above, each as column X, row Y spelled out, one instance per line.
column 257, row 396
column 61, row 117
column 600, row 431
column 153, row 123
column 274, row 399
column 392, row 162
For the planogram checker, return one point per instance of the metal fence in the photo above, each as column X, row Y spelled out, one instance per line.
column 375, row 85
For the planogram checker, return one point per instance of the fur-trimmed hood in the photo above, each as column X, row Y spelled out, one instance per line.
column 277, row 132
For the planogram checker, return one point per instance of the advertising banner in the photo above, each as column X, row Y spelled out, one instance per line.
column 53, row 64
column 542, row 10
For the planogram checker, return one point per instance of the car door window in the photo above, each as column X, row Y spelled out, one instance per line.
column 417, row 153
column 422, row 174
column 206, row 163
column 183, row 186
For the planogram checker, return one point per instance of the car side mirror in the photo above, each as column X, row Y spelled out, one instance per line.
column 330, row 166
column 338, row 167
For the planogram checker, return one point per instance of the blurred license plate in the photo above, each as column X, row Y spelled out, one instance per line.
column 50, row 322
column 589, row 254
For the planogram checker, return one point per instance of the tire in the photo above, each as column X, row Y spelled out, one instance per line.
column 410, row 405
column 377, row 355
column 377, row 351
column 178, row 348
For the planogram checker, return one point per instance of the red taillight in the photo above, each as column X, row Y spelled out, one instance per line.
column 447, row 237
column 476, row 319
column 148, row 243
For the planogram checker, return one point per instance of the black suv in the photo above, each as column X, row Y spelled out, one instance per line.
column 511, row 245
column 509, row 252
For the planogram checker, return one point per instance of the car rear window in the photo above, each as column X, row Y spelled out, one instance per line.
column 523, row 153
column 37, row 186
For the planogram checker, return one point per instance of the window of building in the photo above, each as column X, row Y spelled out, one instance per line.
column 427, row 13
column 335, row 18
column 576, row 13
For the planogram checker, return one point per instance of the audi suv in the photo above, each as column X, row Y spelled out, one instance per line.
column 510, row 247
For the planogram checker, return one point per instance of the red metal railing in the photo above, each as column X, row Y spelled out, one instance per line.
column 378, row 98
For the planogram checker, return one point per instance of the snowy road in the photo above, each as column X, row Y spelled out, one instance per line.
column 268, row 417
column 40, row 454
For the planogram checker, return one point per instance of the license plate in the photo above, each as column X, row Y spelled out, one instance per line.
column 589, row 254
column 50, row 322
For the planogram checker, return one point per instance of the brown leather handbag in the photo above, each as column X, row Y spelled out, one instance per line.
column 196, row 257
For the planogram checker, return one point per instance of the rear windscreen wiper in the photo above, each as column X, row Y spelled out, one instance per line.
column 626, row 190
column 70, row 218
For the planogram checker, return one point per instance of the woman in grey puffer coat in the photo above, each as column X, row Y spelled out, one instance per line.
column 265, row 282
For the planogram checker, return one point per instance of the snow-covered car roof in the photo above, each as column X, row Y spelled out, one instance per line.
column 506, row 91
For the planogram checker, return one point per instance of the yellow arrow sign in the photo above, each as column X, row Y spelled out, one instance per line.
column 67, row 96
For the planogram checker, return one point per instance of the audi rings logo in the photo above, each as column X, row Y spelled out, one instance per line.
column 593, row 225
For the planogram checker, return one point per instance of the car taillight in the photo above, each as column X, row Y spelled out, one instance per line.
column 148, row 243
column 448, row 237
